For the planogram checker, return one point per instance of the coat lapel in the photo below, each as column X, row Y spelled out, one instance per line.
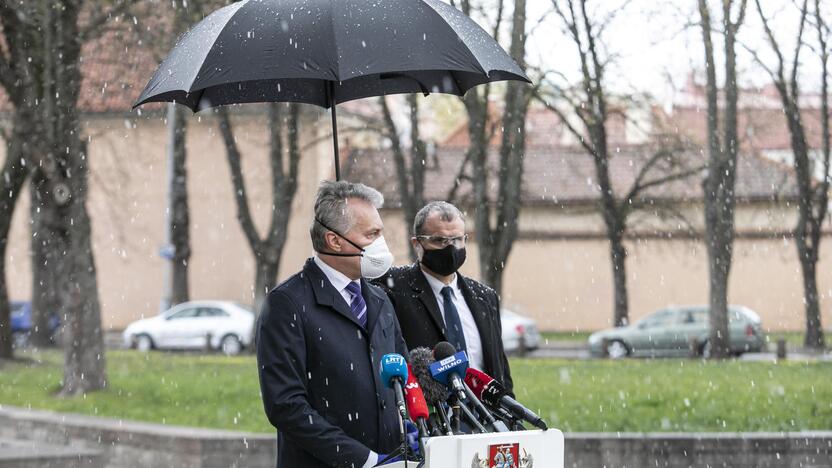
column 480, row 312
column 325, row 293
column 374, row 300
column 425, row 294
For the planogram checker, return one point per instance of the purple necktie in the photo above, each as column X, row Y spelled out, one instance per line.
column 357, row 305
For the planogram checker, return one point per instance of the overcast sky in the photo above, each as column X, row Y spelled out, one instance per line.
column 658, row 42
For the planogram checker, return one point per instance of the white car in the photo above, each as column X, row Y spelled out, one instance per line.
column 222, row 325
column 515, row 326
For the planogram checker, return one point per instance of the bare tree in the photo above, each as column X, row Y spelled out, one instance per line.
column 813, row 199
column 47, row 71
column 496, row 223
column 588, row 102
column 718, row 186
column 284, row 160
column 410, row 171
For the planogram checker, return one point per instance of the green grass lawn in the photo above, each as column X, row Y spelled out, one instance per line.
column 633, row 395
column 577, row 337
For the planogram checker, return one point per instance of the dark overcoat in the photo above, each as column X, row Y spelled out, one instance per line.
column 319, row 372
column 421, row 320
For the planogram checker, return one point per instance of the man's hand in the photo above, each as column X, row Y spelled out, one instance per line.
column 382, row 459
column 412, row 434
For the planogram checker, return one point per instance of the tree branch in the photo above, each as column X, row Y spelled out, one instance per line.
column 581, row 139
column 234, row 162
column 94, row 28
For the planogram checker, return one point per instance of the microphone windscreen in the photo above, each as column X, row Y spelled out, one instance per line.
column 416, row 405
column 392, row 366
column 442, row 350
column 476, row 381
column 420, row 359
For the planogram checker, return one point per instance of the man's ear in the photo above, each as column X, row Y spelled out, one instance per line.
column 416, row 246
column 333, row 241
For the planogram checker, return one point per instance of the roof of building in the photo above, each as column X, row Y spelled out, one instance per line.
column 565, row 176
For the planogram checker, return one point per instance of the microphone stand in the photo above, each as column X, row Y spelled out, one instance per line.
column 443, row 416
column 469, row 416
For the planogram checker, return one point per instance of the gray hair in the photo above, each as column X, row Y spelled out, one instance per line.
column 445, row 210
column 331, row 208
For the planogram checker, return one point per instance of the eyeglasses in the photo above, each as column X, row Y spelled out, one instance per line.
column 442, row 241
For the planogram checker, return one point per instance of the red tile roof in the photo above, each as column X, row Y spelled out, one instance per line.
column 114, row 68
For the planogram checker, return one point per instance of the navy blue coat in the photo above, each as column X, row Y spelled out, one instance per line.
column 319, row 374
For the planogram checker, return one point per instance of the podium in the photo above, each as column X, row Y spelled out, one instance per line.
column 525, row 449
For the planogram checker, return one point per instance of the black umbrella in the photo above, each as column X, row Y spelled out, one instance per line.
column 325, row 52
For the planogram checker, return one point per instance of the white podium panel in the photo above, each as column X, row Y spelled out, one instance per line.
column 520, row 449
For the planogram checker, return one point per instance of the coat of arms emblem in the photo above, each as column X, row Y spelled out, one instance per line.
column 504, row 456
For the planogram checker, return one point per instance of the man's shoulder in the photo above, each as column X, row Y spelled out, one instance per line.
column 479, row 289
column 396, row 278
column 293, row 286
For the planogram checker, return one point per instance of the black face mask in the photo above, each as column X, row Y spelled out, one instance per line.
column 443, row 261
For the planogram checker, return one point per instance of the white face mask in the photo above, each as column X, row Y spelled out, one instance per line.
column 376, row 258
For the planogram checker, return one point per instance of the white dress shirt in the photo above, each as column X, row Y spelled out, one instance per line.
column 340, row 281
column 469, row 326
column 337, row 279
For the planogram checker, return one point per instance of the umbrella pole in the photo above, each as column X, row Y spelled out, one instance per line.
column 334, row 129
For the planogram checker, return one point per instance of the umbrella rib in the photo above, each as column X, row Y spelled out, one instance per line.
column 214, row 43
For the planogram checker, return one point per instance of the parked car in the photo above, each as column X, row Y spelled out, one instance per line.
column 672, row 331
column 515, row 326
column 221, row 325
column 21, row 322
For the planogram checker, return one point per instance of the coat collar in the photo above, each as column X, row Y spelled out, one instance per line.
column 421, row 288
column 327, row 295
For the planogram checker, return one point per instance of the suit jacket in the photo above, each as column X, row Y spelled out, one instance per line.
column 319, row 374
column 422, row 323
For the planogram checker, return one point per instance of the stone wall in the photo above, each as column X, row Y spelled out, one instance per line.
column 124, row 443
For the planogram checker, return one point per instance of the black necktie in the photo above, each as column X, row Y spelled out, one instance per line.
column 453, row 326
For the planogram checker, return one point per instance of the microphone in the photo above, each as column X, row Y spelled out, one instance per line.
column 393, row 369
column 448, row 368
column 494, row 395
column 417, row 407
column 434, row 392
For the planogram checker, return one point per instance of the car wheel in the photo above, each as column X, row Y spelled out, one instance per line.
column 20, row 340
column 231, row 345
column 144, row 343
column 616, row 349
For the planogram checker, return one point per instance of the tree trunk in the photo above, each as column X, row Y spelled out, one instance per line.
column 180, row 217
column 618, row 257
column 269, row 250
column 265, row 277
column 719, row 183
column 66, row 216
column 11, row 182
column 814, row 338
column 44, row 263
column 495, row 244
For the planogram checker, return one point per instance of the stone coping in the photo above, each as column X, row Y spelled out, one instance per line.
column 121, row 425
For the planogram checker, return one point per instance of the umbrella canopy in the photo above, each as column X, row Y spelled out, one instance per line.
column 325, row 52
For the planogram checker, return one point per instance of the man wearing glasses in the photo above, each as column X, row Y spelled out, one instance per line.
column 435, row 303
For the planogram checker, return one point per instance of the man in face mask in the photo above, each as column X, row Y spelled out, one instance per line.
column 434, row 302
column 320, row 338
